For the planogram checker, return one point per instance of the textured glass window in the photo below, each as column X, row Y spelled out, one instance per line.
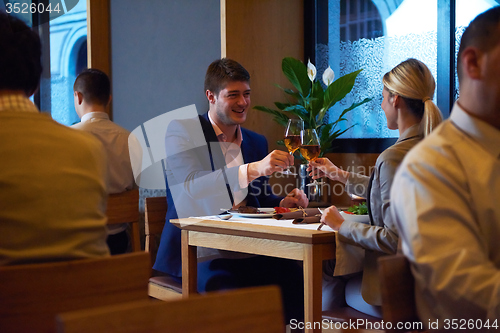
column 376, row 36
column 466, row 12
column 63, row 33
column 384, row 36
column 68, row 56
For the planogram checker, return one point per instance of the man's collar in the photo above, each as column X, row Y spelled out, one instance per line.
column 485, row 134
column 95, row 115
column 221, row 136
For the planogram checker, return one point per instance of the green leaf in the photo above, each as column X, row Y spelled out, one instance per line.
column 282, row 106
column 339, row 89
column 355, row 105
column 317, row 95
column 300, row 112
column 321, row 115
column 296, row 73
column 279, row 117
column 325, row 138
column 361, row 209
column 338, row 133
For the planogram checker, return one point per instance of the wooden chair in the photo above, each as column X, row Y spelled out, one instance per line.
column 398, row 291
column 124, row 208
column 160, row 287
column 249, row 310
column 31, row 295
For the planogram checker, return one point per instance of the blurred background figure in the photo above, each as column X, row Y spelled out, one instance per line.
column 52, row 178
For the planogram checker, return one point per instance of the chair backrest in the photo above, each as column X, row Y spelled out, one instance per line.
column 248, row 310
column 155, row 210
column 398, row 290
column 31, row 295
column 124, row 208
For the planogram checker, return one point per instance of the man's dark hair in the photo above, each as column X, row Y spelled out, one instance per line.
column 94, row 85
column 221, row 72
column 483, row 32
column 20, row 54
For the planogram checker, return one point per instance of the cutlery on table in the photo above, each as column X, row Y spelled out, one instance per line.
column 226, row 215
column 321, row 224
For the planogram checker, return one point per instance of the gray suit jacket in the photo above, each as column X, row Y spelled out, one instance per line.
column 380, row 237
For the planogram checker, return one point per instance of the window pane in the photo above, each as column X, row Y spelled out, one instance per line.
column 397, row 32
column 465, row 13
column 68, row 56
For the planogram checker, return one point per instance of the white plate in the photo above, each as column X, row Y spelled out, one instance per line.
column 356, row 218
column 266, row 212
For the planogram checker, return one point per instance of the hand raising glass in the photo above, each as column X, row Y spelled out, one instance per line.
column 292, row 139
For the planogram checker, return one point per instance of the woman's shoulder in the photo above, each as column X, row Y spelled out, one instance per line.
column 398, row 151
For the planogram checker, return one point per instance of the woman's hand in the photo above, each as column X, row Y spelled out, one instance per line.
column 332, row 218
column 322, row 167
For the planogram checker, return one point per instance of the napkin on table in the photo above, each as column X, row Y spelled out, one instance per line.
column 304, row 215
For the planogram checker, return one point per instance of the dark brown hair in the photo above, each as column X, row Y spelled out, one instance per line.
column 20, row 53
column 221, row 72
column 94, row 85
column 483, row 32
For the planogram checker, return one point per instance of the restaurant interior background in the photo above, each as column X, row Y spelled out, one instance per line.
column 157, row 52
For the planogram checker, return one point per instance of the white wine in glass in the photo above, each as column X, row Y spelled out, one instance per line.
column 309, row 147
column 292, row 139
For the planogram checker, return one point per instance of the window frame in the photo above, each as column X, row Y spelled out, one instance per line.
column 98, row 44
column 316, row 32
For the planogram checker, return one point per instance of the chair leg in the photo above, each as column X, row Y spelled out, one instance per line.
column 136, row 239
column 162, row 293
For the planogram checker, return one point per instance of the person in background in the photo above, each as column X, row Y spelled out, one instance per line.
column 52, row 178
column 92, row 94
column 212, row 163
column 446, row 194
column 407, row 103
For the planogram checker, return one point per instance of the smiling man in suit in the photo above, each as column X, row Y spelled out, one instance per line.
column 212, row 163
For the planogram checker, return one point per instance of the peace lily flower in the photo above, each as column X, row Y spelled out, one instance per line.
column 310, row 101
column 311, row 71
column 328, row 76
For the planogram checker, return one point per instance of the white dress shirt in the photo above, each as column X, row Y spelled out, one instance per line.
column 446, row 206
column 115, row 140
column 233, row 157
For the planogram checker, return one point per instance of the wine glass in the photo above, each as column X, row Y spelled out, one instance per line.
column 292, row 139
column 310, row 148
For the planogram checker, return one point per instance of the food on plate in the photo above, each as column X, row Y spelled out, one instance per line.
column 360, row 209
column 254, row 210
column 248, row 210
column 281, row 210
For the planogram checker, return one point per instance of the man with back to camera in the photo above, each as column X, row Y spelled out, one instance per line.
column 52, row 178
column 446, row 195
column 92, row 94
column 212, row 163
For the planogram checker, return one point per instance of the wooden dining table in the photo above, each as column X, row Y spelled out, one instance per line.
column 261, row 236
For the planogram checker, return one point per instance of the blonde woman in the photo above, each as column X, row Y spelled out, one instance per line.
column 408, row 106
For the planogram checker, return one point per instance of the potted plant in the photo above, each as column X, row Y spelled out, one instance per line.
column 311, row 100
